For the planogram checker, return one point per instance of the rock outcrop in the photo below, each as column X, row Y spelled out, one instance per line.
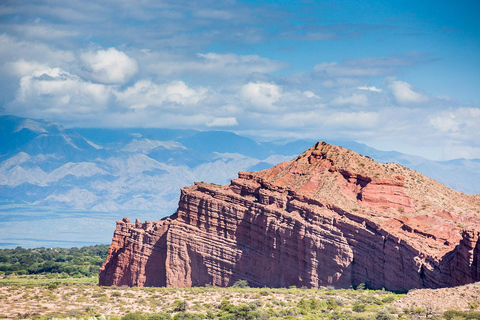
column 328, row 217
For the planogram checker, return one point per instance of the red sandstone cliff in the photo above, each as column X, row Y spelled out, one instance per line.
column 328, row 217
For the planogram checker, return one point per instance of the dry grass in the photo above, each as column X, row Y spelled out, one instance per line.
column 32, row 298
column 37, row 301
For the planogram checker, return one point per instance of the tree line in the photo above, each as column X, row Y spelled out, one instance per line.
column 76, row 262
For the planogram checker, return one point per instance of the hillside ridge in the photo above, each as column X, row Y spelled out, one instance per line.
column 328, row 217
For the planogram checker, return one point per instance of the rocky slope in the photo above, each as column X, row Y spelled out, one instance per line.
column 328, row 217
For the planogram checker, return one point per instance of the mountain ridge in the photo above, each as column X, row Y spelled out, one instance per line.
column 328, row 217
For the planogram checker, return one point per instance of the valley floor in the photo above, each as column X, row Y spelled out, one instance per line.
column 33, row 298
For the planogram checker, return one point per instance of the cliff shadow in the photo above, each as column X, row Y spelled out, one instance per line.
column 155, row 267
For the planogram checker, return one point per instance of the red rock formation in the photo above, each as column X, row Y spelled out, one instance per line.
column 328, row 217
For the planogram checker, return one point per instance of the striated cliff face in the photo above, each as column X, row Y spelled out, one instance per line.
column 328, row 217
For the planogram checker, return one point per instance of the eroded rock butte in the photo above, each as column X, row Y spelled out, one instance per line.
column 328, row 217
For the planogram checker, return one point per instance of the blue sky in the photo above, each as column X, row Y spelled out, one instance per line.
column 402, row 75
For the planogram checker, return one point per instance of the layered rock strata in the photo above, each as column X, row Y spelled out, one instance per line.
column 328, row 217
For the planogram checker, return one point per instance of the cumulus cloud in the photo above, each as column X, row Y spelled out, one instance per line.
column 109, row 66
column 355, row 99
column 53, row 91
column 23, row 68
column 260, row 95
column 462, row 120
column 145, row 93
column 222, row 122
column 404, row 94
column 445, row 122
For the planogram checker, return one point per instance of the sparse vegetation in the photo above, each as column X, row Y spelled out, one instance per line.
column 124, row 303
column 60, row 296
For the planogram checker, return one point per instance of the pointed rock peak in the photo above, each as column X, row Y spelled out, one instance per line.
column 341, row 159
column 324, row 158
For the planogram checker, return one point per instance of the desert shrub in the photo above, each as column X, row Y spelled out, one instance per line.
column 455, row 314
column 188, row 316
column 359, row 307
column 388, row 299
column 240, row 284
column 418, row 310
column 225, row 305
column 383, row 315
column 302, row 304
column 179, row 306
column 133, row 316
column 361, row 286
column 332, row 304
column 52, row 286
column 472, row 315
column 450, row 314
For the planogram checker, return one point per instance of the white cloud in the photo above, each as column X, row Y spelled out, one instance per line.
column 55, row 91
column 404, row 94
column 213, row 14
column 372, row 88
column 461, row 151
column 352, row 120
column 343, row 70
column 458, row 121
column 222, row 122
column 13, row 50
column 145, row 93
column 445, row 123
column 23, row 68
column 42, row 31
column 310, row 94
column 261, row 95
column 363, row 67
column 109, row 66
column 355, row 99
column 226, row 67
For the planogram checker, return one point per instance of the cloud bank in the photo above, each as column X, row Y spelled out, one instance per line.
column 180, row 64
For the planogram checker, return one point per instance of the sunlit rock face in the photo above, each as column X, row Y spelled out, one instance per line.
column 328, row 217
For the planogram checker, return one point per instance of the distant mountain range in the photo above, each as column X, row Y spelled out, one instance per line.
column 45, row 165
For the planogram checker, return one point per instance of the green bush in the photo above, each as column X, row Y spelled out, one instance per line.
column 383, row 315
column 388, row 299
column 359, row 308
column 179, row 305
column 452, row 314
column 361, row 286
column 188, row 316
column 159, row 316
column 133, row 316
column 332, row 304
column 240, row 284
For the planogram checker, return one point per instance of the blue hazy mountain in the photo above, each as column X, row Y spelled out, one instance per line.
column 43, row 164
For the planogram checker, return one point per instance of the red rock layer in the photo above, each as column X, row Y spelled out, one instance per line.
column 321, row 219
